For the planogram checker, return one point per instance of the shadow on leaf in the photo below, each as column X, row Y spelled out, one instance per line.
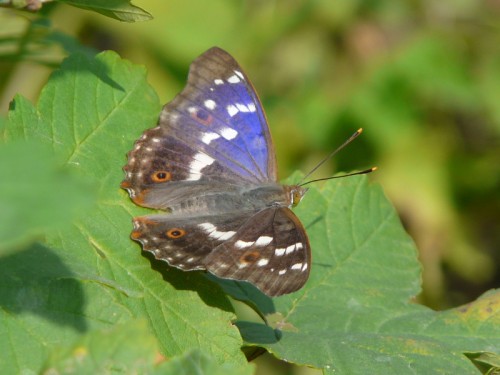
column 36, row 281
column 258, row 333
column 81, row 62
column 209, row 292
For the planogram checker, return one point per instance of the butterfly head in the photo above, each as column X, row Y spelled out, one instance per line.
column 296, row 193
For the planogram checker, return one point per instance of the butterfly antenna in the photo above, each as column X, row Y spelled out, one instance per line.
column 349, row 140
column 369, row 170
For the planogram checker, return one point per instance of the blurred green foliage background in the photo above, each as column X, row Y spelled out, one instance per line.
column 421, row 77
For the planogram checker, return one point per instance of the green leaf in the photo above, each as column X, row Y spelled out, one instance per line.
column 120, row 10
column 354, row 315
column 89, row 275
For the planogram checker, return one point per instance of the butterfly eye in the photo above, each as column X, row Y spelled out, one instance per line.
column 161, row 176
column 176, row 233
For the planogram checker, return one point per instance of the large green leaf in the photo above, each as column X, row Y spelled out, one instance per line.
column 89, row 275
column 354, row 316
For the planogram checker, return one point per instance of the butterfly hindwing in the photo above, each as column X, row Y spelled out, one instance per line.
column 185, row 242
column 271, row 251
column 269, row 248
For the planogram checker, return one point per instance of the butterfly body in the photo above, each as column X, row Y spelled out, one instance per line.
column 210, row 164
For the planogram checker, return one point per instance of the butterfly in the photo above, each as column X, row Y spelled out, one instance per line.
column 211, row 165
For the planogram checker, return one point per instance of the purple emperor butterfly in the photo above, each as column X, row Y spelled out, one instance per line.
column 210, row 163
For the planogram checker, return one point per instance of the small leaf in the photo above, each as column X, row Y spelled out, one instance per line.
column 487, row 363
column 120, row 10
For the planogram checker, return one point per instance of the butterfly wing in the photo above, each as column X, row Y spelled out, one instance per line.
column 213, row 132
column 268, row 248
column 271, row 250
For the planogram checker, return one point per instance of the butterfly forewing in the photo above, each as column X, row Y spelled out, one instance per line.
column 215, row 130
column 229, row 119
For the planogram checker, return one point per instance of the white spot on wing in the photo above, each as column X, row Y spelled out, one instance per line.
column 243, row 244
column 263, row 241
column 209, row 137
column 214, row 233
column 224, row 236
column 200, row 161
column 218, row 81
column 234, row 79
column 207, row 227
column 296, row 266
column 210, row 104
column 282, row 272
column 263, row 262
column 245, row 107
column 239, row 74
column 232, row 110
column 290, row 249
column 229, row 133
column 279, row 252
